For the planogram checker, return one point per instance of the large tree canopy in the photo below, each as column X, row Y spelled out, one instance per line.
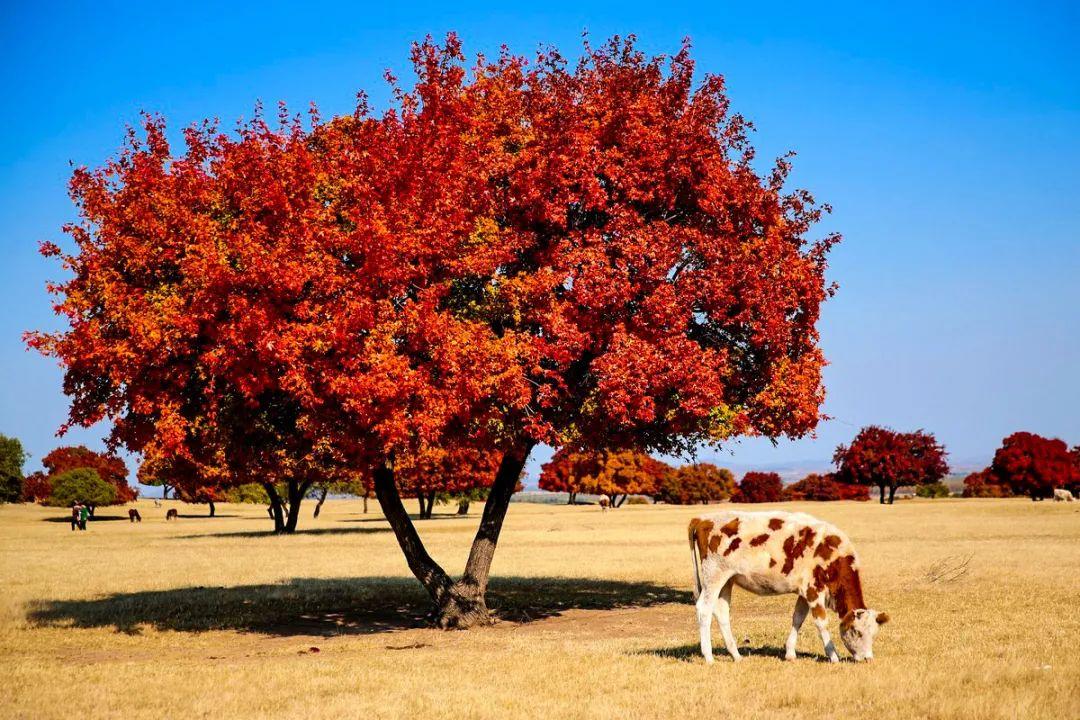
column 524, row 252
column 1032, row 465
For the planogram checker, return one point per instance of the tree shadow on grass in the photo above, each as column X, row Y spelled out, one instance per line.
column 334, row 606
column 692, row 653
column 271, row 533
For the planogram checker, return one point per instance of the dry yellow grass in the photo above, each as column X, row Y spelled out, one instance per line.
column 209, row 618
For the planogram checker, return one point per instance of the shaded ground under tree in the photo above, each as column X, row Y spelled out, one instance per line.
column 336, row 606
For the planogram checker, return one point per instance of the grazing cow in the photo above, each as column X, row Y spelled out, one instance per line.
column 134, row 516
column 605, row 503
column 172, row 514
column 774, row 553
column 1062, row 495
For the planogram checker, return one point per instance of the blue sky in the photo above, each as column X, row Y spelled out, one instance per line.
column 946, row 139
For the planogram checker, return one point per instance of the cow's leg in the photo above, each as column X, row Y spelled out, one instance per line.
column 705, row 603
column 723, row 616
column 801, row 608
column 822, row 623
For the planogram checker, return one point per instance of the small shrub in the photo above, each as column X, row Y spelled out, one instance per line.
column 637, row 500
column 80, row 485
column 759, row 487
column 933, row 490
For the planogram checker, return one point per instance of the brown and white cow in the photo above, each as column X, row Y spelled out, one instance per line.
column 775, row 553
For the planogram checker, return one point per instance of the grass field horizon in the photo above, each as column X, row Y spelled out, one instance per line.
column 218, row 617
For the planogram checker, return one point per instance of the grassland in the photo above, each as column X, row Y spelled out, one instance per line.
column 214, row 618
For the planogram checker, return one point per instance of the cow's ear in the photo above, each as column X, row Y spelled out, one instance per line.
column 882, row 618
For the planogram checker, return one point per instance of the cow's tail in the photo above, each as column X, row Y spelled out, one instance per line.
column 694, row 557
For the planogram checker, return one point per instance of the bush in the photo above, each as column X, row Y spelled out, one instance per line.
column 759, row 487
column 697, row 483
column 824, row 488
column 933, row 490
column 984, row 484
column 82, row 485
column 637, row 500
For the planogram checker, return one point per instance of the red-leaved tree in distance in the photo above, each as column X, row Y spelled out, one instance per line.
column 696, row 483
column 615, row 473
column 109, row 468
column 1033, row 465
column 885, row 458
column 759, row 487
column 523, row 253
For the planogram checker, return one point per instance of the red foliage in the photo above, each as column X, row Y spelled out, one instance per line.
column 36, row 487
column 110, row 468
column 613, row 473
column 759, row 487
column 1032, row 465
column 984, row 483
column 824, row 488
column 696, row 483
column 889, row 459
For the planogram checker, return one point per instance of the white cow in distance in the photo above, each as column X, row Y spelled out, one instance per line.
column 1062, row 495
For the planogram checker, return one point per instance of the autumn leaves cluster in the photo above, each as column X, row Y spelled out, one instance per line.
column 515, row 252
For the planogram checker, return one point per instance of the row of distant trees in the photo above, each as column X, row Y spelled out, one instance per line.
column 1025, row 464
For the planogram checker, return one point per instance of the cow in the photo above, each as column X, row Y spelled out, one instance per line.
column 172, row 514
column 1062, row 495
column 134, row 516
column 604, row 502
column 776, row 553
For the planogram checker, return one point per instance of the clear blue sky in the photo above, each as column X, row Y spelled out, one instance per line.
column 947, row 140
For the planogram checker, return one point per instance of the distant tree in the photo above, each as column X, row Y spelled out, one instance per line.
column 615, row 473
column 82, row 485
column 984, row 484
column 932, row 490
column 824, row 488
column 1033, row 465
column 1075, row 487
column 12, row 458
column 696, row 483
column 759, row 487
column 109, row 468
column 888, row 459
column 36, row 487
column 189, row 482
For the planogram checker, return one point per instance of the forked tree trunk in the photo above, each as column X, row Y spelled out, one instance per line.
column 461, row 603
column 619, row 502
column 297, row 490
column 322, row 499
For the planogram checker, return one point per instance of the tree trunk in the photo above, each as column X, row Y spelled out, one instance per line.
column 91, row 508
column 297, row 490
column 619, row 502
column 212, row 509
column 458, row 604
column 322, row 499
column 365, row 503
column 573, row 499
column 463, row 507
column 881, row 496
column 275, row 508
column 430, row 504
column 892, row 493
column 164, row 491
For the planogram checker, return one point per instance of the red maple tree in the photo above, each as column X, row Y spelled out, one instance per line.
column 109, row 467
column 759, row 487
column 615, row 473
column 523, row 253
column 1033, row 465
column 885, row 458
column 984, row 483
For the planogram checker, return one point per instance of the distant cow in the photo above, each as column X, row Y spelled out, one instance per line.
column 172, row 514
column 775, row 553
column 134, row 516
column 604, row 503
column 1062, row 495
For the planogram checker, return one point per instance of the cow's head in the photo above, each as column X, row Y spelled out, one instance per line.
column 858, row 631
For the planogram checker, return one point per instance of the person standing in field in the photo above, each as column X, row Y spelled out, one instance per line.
column 74, row 516
column 84, row 513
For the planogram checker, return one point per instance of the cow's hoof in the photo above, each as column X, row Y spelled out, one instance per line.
column 789, row 658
